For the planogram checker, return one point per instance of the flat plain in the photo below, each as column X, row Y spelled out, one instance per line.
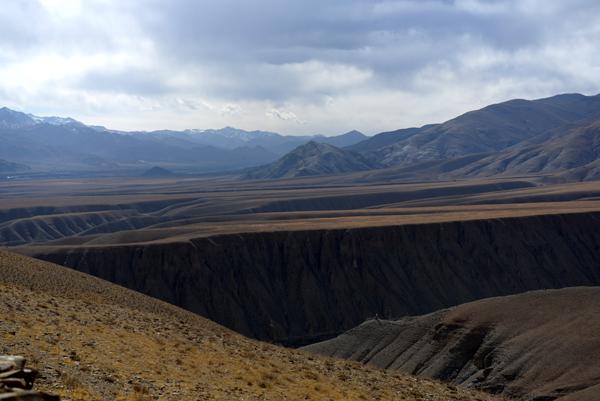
column 102, row 212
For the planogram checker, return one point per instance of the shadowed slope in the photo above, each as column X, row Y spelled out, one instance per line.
column 490, row 129
column 573, row 153
column 298, row 287
column 543, row 344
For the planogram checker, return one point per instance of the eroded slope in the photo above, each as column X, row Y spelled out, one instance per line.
column 298, row 287
column 542, row 345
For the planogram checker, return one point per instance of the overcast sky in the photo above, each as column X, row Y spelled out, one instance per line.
column 305, row 66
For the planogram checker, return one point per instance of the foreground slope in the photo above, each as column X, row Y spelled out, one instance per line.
column 542, row 345
column 96, row 341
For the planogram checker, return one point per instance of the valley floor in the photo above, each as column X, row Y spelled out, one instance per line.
column 70, row 213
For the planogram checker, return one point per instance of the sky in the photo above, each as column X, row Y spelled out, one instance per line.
column 295, row 67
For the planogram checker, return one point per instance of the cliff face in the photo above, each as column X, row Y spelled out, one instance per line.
column 305, row 286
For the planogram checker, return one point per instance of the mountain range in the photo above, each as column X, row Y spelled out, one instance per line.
column 554, row 138
column 557, row 138
column 63, row 144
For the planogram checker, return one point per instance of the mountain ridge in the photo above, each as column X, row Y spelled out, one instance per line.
column 56, row 143
column 572, row 151
column 312, row 159
column 490, row 129
column 485, row 142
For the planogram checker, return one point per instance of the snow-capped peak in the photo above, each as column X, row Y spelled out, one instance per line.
column 16, row 119
column 54, row 120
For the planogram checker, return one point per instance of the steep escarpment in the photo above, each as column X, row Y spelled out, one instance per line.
column 92, row 340
column 541, row 345
column 299, row 287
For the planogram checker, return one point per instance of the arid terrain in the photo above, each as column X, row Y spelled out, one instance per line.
column 541, row 345
column 352, row 200
column 116, row 211
column 302, row 260
column 92, row 340
column 304, row 249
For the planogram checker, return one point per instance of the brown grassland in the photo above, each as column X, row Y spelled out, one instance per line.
column 104, row 212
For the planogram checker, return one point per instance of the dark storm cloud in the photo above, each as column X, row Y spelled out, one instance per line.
column 137, row 82
column 281, row 32
column 394, row 39
column 16, row 29
column 309, row 58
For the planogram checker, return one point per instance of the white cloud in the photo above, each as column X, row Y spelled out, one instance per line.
column 231, row 110
column 62, row 8
column 284, row 115
column 301, row 67
column 317, row 76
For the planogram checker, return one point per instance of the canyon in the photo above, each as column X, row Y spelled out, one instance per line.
column 298, row 287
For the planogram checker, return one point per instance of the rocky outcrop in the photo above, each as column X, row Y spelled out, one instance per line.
column 540, row 345
column 304, row 286
column 16, row 381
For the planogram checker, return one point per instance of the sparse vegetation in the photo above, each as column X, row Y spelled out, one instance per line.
column 96, row 341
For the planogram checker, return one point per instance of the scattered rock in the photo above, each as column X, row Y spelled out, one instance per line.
column 16, row 381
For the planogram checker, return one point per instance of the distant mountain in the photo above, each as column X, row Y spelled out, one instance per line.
column 312, row 159
column 15, row 119
column 55, row 143
column 51, row 147
column 552, row 136
column 276, row 144
column 490, row 129
column 382, row 140
column 9, row 167
column 231, row 138
column 572, row 152
column 343, row 140
column 157, row 172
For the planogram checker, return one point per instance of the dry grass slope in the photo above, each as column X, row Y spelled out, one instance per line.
column 96, row 341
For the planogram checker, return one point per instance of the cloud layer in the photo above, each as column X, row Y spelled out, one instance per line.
column 292, row 66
